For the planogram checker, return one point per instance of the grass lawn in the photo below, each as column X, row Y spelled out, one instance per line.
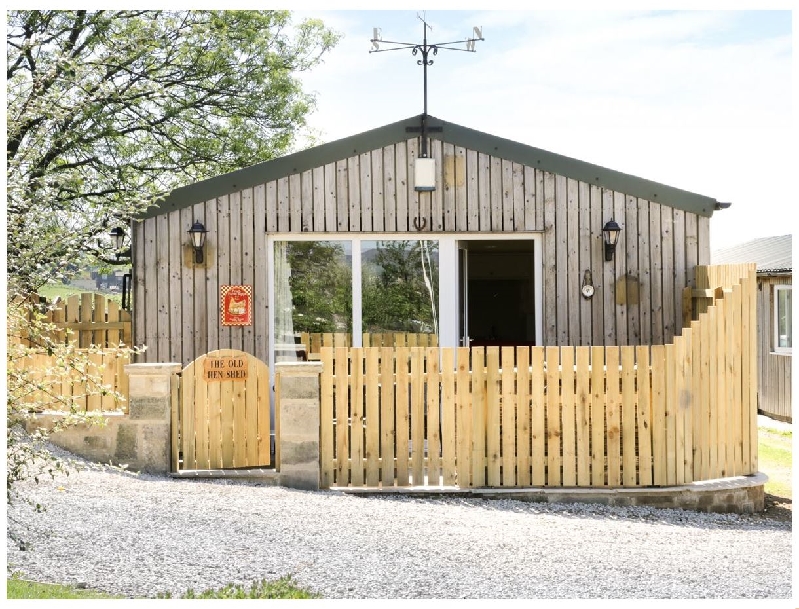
column 774, row 459
column 283, row 588
column 20, row 588
column 53, row 290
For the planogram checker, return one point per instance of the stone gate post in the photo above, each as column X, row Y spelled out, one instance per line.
column 298, row 432
column 144, row 439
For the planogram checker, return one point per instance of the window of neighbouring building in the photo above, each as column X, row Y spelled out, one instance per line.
column 783, row 318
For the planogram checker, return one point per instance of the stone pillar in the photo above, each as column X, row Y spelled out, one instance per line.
column 298, row 431
column 143, row 441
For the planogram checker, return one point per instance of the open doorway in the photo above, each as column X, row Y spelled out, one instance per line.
column 497, row 296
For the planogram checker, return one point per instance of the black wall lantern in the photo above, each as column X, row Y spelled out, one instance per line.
column 123, row 256
column 118, row 235
column 610, row 235
column 197, row 232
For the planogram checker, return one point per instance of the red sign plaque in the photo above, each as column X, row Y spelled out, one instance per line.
column 236, row 306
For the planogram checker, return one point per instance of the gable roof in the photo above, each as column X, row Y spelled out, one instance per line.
column 450, row 133
column 771, row 254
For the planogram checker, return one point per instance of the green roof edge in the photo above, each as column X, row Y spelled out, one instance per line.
column 457, row 135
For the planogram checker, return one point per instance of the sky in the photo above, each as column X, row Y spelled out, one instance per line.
column 698, row 100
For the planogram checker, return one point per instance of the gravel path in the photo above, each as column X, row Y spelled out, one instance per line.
column 143, row 535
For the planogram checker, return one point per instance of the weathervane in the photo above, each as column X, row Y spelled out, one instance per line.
column 425, row 50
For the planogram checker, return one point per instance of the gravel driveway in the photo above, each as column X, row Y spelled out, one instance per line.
column 143, row 535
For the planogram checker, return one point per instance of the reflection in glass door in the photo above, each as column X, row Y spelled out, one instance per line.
column 399, row 292
column 313, row 297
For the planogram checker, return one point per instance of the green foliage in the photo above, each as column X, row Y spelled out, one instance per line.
column 282, row 588
column 52, row 291
column 321, row 286
column 106, row 112
column 400, row 290
column 109, row 110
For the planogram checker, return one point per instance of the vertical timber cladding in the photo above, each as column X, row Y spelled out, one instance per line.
column 177, row 313
column 637, row 296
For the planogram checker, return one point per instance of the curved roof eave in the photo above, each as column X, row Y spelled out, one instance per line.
column 452, row 134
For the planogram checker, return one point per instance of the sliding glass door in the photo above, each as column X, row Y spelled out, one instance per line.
column 352, row 292
column 392, row 290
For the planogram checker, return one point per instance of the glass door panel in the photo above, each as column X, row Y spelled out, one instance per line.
column 313, row 297
column 399, row 293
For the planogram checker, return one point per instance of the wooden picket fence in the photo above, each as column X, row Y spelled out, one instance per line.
column 708, row 280
column 630, row 416
column 61, row 385
column 87, row 319
column 96, row 324
column 314, row 341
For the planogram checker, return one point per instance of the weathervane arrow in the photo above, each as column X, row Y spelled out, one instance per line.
column 425, row 49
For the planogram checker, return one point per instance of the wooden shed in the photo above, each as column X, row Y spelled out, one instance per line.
column 773, row 256
column 504, row 241
column 472, row 322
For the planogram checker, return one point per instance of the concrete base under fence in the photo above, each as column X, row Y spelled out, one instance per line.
column 736, row 495
column 143, row 445
column 260, row 475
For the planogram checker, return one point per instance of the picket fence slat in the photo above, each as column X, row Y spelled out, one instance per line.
column 448, row 444
column 598, row 435
column 612, row 410
column 537, row 405
column 583, row 432
column 463, row 418
column 372, row 418
column 417, row 416
column 387, row 416
column 508, row 417
column 628, row 424
column 356, row 416
column 522, row 416
column 433, row 417
column 493, row 396
column 567, row 390
column 553, row 431
column 342, row 416
column 403, row 423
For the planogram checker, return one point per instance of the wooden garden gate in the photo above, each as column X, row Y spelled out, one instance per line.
column 222, row 415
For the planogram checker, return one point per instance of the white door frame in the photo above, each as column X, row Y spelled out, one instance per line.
column 453, row 336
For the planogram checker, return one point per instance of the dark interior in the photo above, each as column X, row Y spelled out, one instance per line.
column 501, row 293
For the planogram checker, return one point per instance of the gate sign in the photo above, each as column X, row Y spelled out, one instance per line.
column 225, row 368
column 236, row 305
